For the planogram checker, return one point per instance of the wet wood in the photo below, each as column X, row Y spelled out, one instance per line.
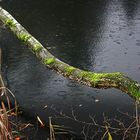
column 96, row 80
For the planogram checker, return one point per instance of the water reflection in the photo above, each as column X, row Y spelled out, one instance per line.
column 131, row 8
column 74, row 28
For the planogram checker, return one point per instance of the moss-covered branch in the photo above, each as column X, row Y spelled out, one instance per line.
column 96, row 80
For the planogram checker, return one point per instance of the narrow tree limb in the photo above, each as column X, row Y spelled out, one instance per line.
column 92, row 79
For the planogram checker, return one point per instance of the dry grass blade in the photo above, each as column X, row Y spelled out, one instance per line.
column 5, row 130
column 52, row 135
column 137, row 121
column 5, row 94
column 40, row 121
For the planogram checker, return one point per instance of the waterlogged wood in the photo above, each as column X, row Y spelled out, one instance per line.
column 92, row 79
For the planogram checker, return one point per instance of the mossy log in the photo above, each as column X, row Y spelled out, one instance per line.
column 92, row 79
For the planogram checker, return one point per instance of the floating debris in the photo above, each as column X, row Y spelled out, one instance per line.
column 40, row 121
column 45, row 106
column 96, row 100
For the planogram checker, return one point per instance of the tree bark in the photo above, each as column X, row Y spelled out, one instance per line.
column 92, row 79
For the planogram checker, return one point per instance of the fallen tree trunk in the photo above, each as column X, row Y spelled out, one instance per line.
column 92, row 79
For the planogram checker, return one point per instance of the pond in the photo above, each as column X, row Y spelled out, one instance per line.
column 101, row 36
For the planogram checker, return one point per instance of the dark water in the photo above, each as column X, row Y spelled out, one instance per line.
column 96, row 35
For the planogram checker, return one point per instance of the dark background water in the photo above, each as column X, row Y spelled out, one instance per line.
column 99, row 35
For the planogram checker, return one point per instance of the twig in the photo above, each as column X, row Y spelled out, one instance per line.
column 52, row 135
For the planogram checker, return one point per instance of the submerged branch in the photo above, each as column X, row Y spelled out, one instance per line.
column 92, row 79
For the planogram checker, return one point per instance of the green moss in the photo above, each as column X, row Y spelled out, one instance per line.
column 70, row 69
column 49, row 61
column 9, row 22
column 24, row 37
column 134, row 90
column 82, row 74
column 95, row 78
column 36, row 48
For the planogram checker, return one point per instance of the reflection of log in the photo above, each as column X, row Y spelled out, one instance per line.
column 97, row 80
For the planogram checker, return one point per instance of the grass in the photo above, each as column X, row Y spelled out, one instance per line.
column 5, row 128
column 10, row 129
column 5, row 112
